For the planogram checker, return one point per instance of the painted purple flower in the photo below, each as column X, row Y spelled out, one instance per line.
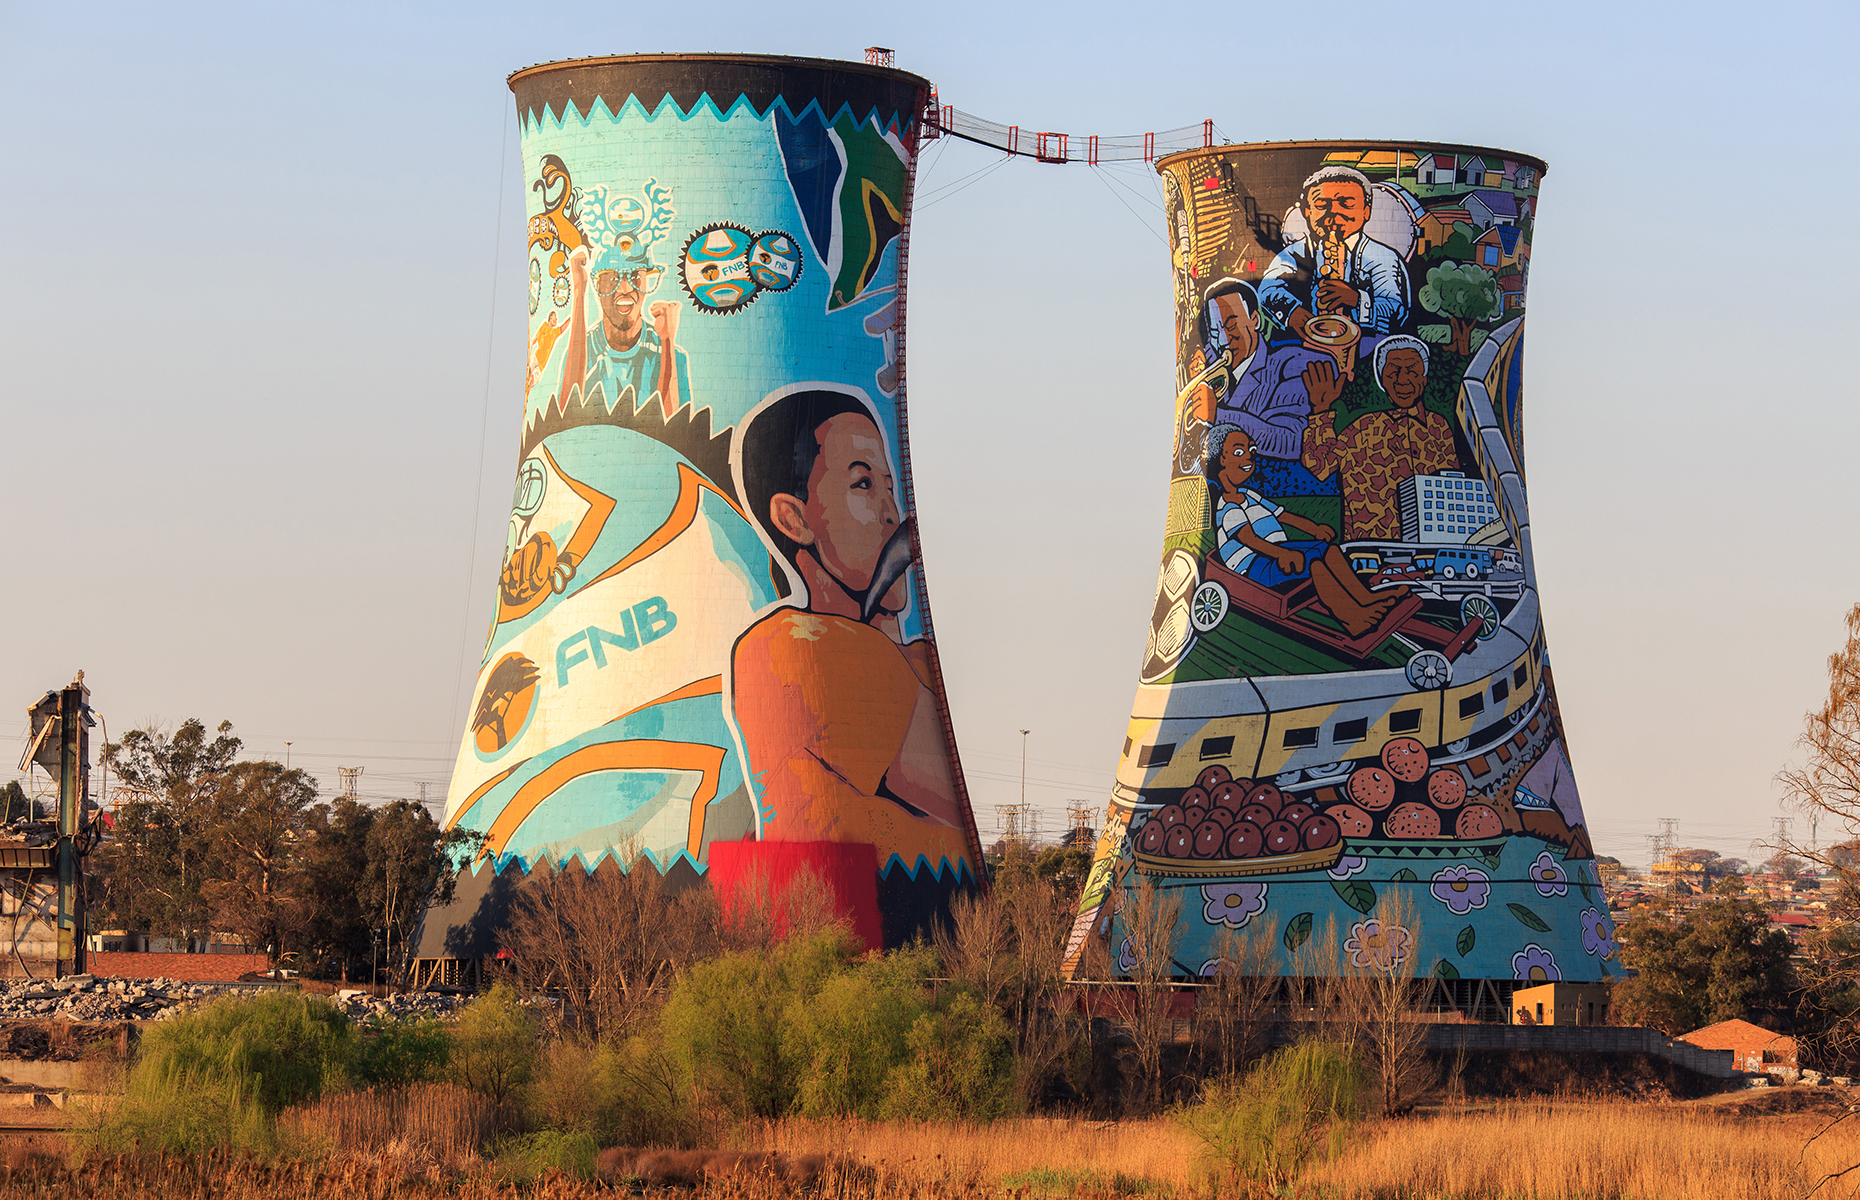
column 1461, row 889
column 1126, row 961
column 1549, row 876
column 1348, row 865
column 1374, row 944
column 1598, row 934
column 1232, row 904
column 1534, row 964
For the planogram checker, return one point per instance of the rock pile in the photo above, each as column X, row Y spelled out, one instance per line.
column 87, row 998
column 360, row 1006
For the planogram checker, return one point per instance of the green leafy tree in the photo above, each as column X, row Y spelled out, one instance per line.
column 1465, row 294
column 1720, row 961
column 849, row 1036
column 159, row 857
column 333, row 859
column 727, row 1023
column 257, row 816
column 494, row 1044
column 409, row 864
column 15, row 805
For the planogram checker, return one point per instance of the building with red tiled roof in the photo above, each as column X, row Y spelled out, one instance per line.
column 1756, row 1049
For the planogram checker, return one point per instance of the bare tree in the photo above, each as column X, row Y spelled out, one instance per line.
column 1234, row 1010
column 1378, row 1004
column 1147, row 959
column 608, row 941
column 976, row 948
column 1826, row 788
column 757, row 915
column 1039, row 914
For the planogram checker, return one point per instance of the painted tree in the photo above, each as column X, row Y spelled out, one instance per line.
column 1465, row 294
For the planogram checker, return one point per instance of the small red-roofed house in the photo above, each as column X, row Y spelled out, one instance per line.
column 1755, row 1048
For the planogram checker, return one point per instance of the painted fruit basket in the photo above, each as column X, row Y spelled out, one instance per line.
column 1233, row 868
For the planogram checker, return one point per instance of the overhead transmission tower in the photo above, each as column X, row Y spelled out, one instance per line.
column 1019, row 824
column 1081, row 823
column 351, row 778
column 1662, row 845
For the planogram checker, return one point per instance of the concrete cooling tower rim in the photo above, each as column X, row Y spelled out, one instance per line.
column 1365, row 144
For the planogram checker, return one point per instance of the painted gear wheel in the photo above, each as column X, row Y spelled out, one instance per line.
column 714, row 268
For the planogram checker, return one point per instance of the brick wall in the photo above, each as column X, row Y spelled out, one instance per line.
column 218, row 968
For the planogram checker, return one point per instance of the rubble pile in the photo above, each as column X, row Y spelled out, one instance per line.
column 360, row 1006
column 22, row 833
column 88, row 998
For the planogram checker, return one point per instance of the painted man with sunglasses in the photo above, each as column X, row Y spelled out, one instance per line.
column 629, row 359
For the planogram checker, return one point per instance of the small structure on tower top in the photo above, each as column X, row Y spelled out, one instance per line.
column 880, row 56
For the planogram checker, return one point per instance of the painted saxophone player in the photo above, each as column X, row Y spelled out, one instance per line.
column 1346, row 707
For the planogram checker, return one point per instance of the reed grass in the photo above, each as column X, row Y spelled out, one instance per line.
column 1545, row 1150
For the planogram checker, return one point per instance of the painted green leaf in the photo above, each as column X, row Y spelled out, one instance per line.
column 1403, row 876
column 1356, row 893
column 1446, row 970
column 1297, row 931
column 1492, row 859
column 1528, row 918
column 1465, row 942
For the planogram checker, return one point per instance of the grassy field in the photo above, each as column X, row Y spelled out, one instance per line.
column 435, row 1144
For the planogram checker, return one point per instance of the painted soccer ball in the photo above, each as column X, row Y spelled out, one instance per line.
column 716, row 268
column 774, row 261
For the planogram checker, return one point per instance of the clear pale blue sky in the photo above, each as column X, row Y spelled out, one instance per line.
column 246, row 276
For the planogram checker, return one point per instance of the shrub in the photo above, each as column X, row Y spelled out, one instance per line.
column 494, row 1044
column 850, row 1035
column 217, row 1076
column 275, row 1049
column 521, row 1159
column 959, row 1065
column 393, row 1054
column 1297, row 1103
column 724, row 1025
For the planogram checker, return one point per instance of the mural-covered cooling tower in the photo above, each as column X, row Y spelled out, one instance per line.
column 712, row 639
column 1345, row 696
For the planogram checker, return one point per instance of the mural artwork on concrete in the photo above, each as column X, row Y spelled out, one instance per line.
column 711, row 626
column 1345, row 694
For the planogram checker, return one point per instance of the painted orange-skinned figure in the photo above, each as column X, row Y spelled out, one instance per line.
column 838, row 719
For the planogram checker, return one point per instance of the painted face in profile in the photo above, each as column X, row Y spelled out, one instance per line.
column 852, row 509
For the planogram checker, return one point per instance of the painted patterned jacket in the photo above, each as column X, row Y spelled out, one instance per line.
column 1371, row 457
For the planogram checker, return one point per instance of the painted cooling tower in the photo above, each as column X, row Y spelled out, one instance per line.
column 712, row 639
column 1345, row 699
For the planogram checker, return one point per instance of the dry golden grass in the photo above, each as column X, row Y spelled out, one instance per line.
column 1011, row 1152
column 1588, row 1151
column 1566, row 1150
column 429, row 1127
